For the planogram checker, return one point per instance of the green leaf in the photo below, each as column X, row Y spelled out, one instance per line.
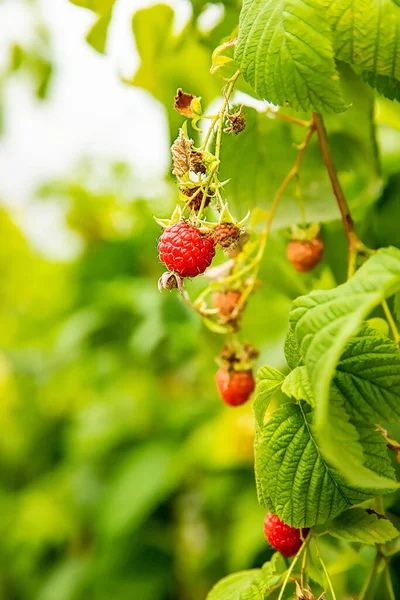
column 293, row 478
column 269, row 380
column 100, row 7
column 169, row 62
column 386, row 86
column 297, row 385
column 270, row 142
column 292, row 350
column 357, row 525
column 324, row 322
column 231, row 587
column 368, row 376
column 366, row 33
column 285, row 52
column 249, row 585
column 97, row 35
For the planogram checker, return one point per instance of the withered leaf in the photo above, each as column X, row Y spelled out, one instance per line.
column 183, row 102
column 181, row 151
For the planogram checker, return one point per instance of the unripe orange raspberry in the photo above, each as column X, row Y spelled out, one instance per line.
column 305, row 254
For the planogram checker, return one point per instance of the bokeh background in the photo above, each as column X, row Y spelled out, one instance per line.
column 122, row 475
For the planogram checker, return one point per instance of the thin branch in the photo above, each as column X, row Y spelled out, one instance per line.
column 290, row 569
column 355, row 245
column 392, row 322
column 325, row 570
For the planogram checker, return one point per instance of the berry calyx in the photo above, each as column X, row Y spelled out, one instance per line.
column 226, row 234
column 184, row 250
column 197, row 195
column 305, row 254
column 234, row 387
column 287, row 540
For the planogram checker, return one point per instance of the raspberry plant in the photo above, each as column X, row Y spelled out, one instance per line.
column 320, row 457
column 323, row 458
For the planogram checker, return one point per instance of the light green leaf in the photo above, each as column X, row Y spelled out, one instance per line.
column 292, row 350
column 269, row 380
column 285, row 52
column 231, row 587
column 297, row 385
column 168, row 62
column 324, row 322
column 293, row 478
column 97, row 36
column 366, row 33
column 249, row 585
column 100, row 7
column 357, row 525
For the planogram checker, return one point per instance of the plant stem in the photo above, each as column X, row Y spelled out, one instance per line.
column 303, row 568
column 290, row 569
column 227, row 94
column 367, row 593
column 289, row 118
column 392, row 322
column 389, row 584
column 325, row 570
column 355, row 245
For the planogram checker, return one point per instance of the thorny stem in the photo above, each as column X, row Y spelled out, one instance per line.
column 355, row 245
column 325, row 570
column 293, row 564
column 392, row 323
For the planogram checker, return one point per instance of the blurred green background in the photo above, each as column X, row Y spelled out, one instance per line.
column 122, row 475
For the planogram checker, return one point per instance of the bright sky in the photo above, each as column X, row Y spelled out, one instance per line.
column 89, row 112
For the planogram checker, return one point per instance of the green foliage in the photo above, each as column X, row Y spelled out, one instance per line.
column 359, row 525
column 295, row 34
column 324, row 321
column 297, row 385
column 286, row 49
column 122, row 474
column 295, row 481
column 170, row 61
column 269, row 380
column 249, row 585
column 272, row 143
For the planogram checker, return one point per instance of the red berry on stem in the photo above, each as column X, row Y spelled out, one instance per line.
column 184, row 250
column 234, row 387
column 287, row 540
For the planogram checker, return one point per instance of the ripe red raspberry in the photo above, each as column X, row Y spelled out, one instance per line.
column 234, row 387
column 282, row 537
column 305, row 254
column 226, row 302
column 226, row 234
column 184, row 250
